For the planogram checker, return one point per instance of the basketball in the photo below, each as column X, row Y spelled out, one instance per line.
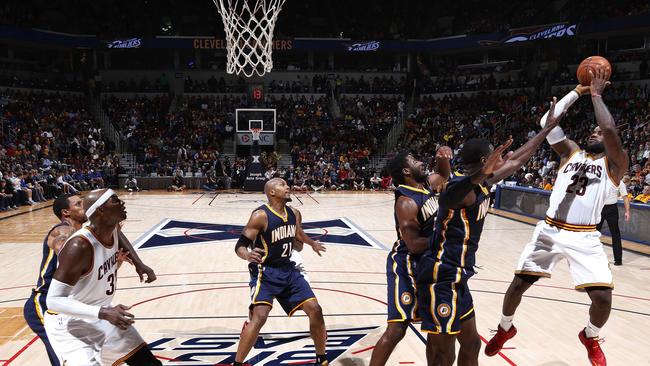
column 592, row 63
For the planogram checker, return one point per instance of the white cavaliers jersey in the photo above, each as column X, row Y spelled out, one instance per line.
column 98, row 286
column 579, row 194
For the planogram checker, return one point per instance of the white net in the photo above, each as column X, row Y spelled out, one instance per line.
column 249, row 26
column 256, row 133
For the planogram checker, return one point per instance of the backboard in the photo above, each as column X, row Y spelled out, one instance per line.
column 249, row 118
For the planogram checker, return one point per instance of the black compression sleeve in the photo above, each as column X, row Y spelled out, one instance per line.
column 456, row 192
column 243, row 242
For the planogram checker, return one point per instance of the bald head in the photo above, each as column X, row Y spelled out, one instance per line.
column 271, row 185
column 277, row 188
column 96, row 199
column 92, row 197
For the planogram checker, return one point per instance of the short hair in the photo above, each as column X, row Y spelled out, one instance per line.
column 396, row 167
column 61, row 203
column 473, row 150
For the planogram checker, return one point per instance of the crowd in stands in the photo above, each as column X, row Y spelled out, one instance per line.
column 315, row 84
column 375, row 85
column 159, row 85
column 451, row 120
column 214, row 85
column 50, row 145
column 46, row 81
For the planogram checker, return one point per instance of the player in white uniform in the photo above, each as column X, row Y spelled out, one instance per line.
column 584, row 181
column 81, row 323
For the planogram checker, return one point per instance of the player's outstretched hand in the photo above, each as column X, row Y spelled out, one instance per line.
column 123, row 256
column 444, row 152
column 598, row 81
column 583, row 89
column 142, row 269
column 117, row 315
column 495, row 158
column 551, row 120
column 255, row 255
column 318, row 247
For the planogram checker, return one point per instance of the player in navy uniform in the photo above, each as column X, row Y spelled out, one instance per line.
column 271, row 232
column 69, row 209
column 446, row 304
column 416, row 206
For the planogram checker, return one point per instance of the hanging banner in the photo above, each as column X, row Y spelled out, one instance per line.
column 541, row 32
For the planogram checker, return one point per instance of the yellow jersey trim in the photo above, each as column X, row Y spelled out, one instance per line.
column 300, row 305
column 420, row 190
column 284, row 218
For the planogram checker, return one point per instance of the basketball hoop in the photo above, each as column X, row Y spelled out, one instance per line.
column 249, row 26
column 256, row 133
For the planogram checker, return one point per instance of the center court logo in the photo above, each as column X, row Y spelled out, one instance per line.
column 169, row 232
column 272, row 349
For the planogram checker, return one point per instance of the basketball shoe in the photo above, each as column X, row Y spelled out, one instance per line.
column 496, row 343
column 595, row 354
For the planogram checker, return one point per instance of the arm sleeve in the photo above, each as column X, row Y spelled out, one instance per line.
column 562, row 105
column 58, row 300
column 622, row 191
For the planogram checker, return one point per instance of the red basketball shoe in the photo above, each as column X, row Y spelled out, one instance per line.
column 496, row 343
column 595, row 354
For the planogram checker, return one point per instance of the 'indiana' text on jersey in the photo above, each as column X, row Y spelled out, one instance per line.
column 427, row 210
column 457, row 234
column 277, row 240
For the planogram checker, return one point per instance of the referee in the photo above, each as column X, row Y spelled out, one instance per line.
column 610, row 214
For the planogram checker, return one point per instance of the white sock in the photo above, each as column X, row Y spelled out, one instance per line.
column 506, row 322
column 591, row 331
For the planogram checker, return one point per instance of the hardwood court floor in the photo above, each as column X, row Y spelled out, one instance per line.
column 193, row 313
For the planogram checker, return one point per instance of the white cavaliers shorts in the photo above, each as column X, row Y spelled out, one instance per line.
column 583, row 250
column 80, row 342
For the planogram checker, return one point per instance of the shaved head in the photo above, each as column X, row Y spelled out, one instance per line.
column 277, row 188
column 271, row 184
column 105, row 201
column 92, row 197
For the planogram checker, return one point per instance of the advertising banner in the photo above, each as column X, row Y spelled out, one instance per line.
column 247, row 139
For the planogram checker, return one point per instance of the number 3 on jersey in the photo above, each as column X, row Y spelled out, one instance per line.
column 578, row 185
column 286, row 249
column 111, row 281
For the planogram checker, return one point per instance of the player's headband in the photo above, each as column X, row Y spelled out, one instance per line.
column 100, row 201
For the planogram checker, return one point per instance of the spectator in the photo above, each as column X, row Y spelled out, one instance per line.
column 644, row 197
column 178, row 183
column 132, row 184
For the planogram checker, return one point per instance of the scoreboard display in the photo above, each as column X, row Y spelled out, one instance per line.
column 256, row 93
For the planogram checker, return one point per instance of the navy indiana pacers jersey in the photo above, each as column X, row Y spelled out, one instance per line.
column 455, row 241
column 48, row 264
column 427, row 210
column 278, row 238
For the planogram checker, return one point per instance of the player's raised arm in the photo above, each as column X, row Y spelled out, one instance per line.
column 460, row 192
column 302, row 237
column 437, row 180
column 616, row 155
column 256, row 224
column 407, row 213
column 520, row 156
column 556, row 138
